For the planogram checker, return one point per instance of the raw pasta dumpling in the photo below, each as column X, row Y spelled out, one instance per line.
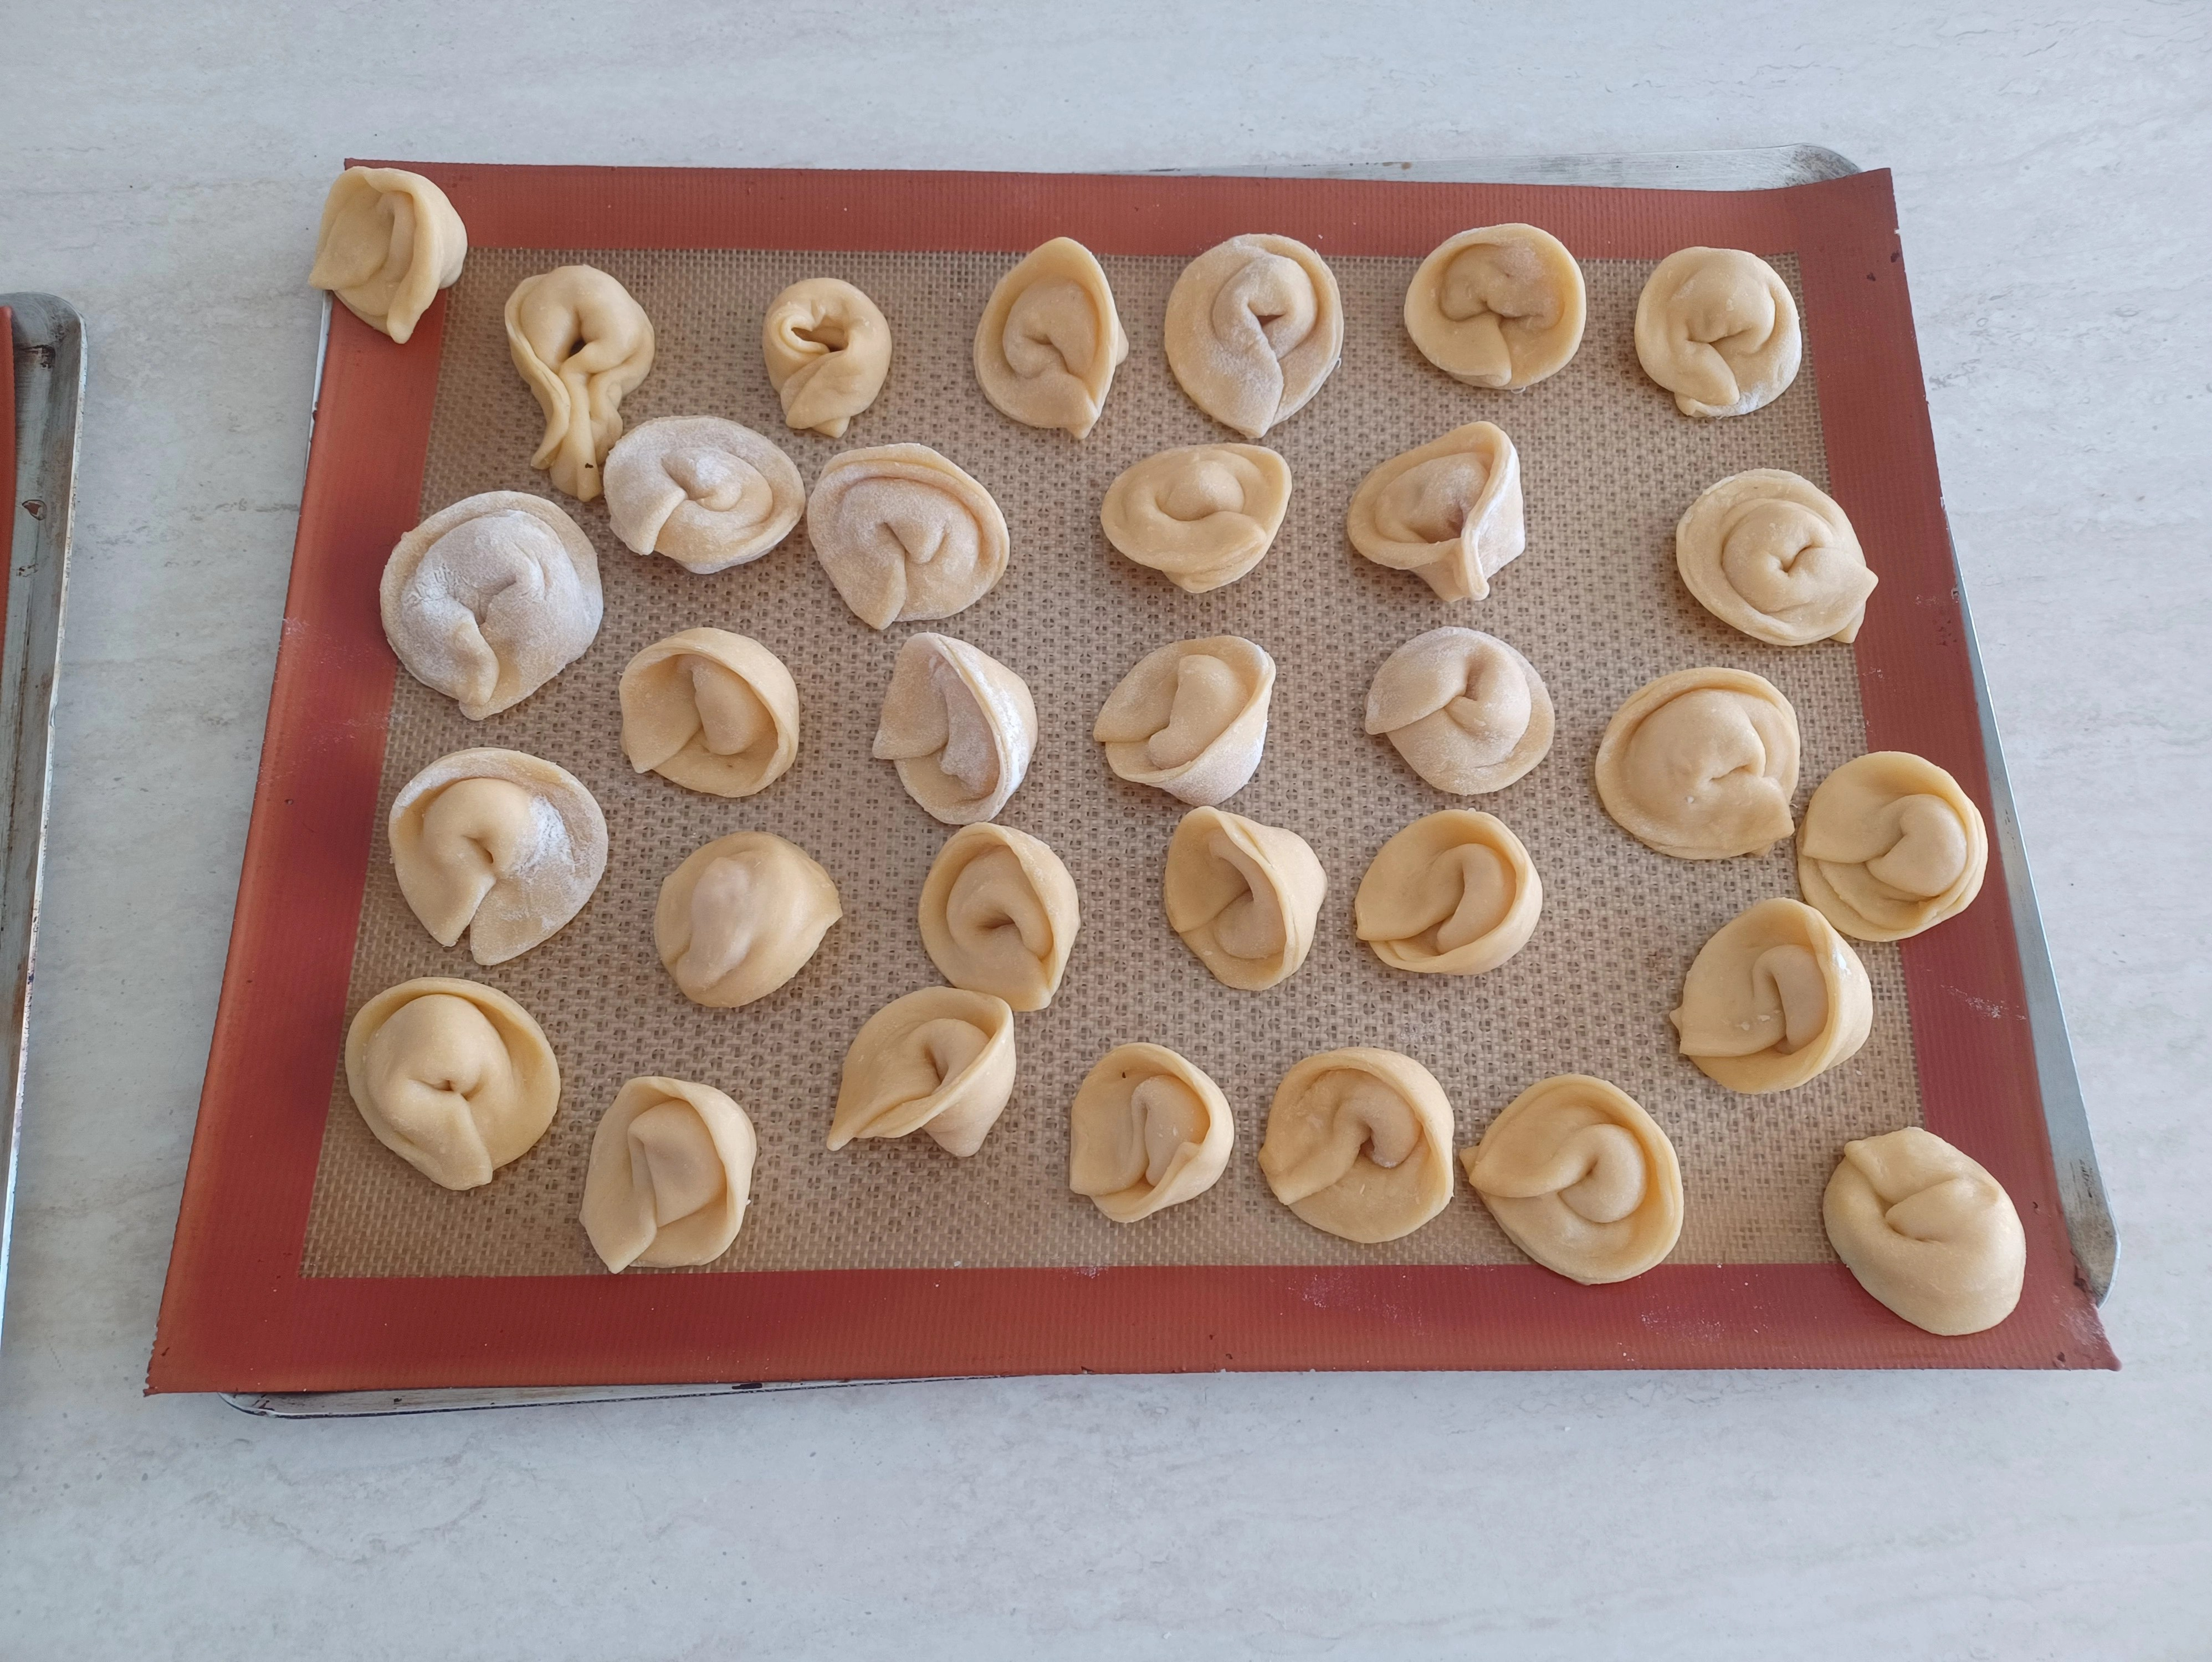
column 940, row 1061
column 454, row 1077
column 998, row 915
column 1255, row 325
column 904, row 533
column 1359, row 1143
column 828, row 349
column 1449, row 510
column 487, row 600
column 582, row 343
column 710, row 711
column 1701, row 764
column 707, row 493
column 1191, row 718
column 1927, row 1231
column 1717, row 328
column 1891, row 847
column 1500, row 305
column 1453, row 893
column 1775, row 997
column 671, row 1172
column 1772, row 555
column 390, row 240
column 1581, row 1179
column 960, row 726
column 1147, row 1131
column 1467, row 712
column 742, row 916
column 1051, row 339
column 1201, row 516
column 505, row 846
column 1243, row 896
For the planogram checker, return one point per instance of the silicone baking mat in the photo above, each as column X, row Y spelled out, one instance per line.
column 310, row 1258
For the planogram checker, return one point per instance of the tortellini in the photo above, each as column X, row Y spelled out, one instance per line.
column 390, row 240
column 999, row 915
column 1051, row 339
column 1468, row 713
column 742, row 916
column 828, row 349
column 1581, row 1179
column 1775, row 997
column 904, row 533
column 1359, row 1143
column 670, row 1172
column 487, row 600
column 1202, row 516
column 710, row 711
column 505, row 846
column 940, row 1061
column 1147, row 1131
column 454, row 1077
column 1927, row 1231
column 1453, row 893
column 1243, row 896
column 1701, row 764
column 959, row 725
column 1717, row 328
column 1449, row 510
column 707, row 493
column 1255, row 325
column 1891, row 847
column 1772, row 555
column 580, row 343
column 1191, row 718
column 1500, row 305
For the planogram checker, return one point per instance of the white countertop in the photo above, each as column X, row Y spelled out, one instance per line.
column 162, row 166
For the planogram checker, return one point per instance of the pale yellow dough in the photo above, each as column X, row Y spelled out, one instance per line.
column 1927, row 1231
column 1453, row 893
column 1255, row 325
column 505, row 846
column 959, row 726
column 828, row 349
column 1775, row 997
column 1891, row 847
column 1581, row 1177
column 1701, row 764
column 940, row 1060
column 1772, row 555
column 1449, row 510
column 741, row 916
column 998, row 915
column 1051, row 339
column 904, row 533
column 1359, row 1143
column 1191, row 718
column 454, row 1077
column 1717, row 328
column 671, row 1172
column 1202, row 516
column 1467, row 712
column 710, row 711
column 1243, row 896
column 582, row 343
column 1147, row 1130
column 705, row 492
column 390, row 240
column 1501, row 306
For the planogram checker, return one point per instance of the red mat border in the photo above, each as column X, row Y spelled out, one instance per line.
column 236, row 1314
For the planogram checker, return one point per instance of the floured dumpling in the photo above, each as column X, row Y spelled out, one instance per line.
column 1927, row 1231
column 505, row 846
column 1891, row 847
column 1255, row 325
column 1243, row 896
column 828, row 349
column 1146, row 1131
column 1717, row 328
column 582, row 343
column 959, row 725
column 1051, row 339
column 1775, row 997
column 487, row 600
column 454, row 1077
column 940, row 1060
column 710, row 711
column 1190, row 719
column 1501, row 306
column 1201, row 516
column 904, row 533
column 1359, row 1143
column 670, row 1171
column 998, row 915
column 1467, row 712
column 707, row 493
column 1701, row 764
column 390, row 240
column 1581, row 1179
column 1450, row 511
column 742, row 916
column 1771, row 554
column 1453, row 893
